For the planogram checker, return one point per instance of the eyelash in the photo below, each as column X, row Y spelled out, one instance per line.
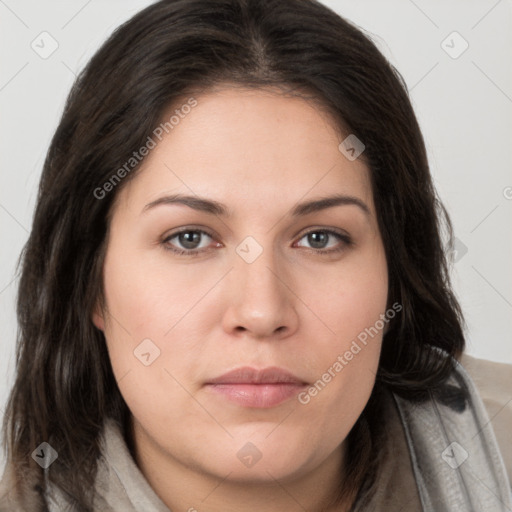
column 347, row 241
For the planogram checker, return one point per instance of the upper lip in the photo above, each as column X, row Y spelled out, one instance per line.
column 248, row 375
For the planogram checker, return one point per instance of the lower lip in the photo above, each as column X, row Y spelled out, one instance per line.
column 257, row 395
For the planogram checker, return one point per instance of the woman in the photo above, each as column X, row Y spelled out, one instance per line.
column 235, row 295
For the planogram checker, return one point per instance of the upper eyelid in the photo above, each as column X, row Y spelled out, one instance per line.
column 186, row 230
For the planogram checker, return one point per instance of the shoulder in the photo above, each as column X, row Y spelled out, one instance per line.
column 494, row 384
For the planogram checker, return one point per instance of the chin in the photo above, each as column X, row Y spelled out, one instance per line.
column 255, row 459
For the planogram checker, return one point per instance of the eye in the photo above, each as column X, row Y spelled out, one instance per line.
column 187, row 241
column 321, row 240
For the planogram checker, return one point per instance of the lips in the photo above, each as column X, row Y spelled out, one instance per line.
column 250, row 387
column 248, row 375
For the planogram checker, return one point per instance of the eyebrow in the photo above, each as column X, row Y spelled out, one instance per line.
column 215, row 208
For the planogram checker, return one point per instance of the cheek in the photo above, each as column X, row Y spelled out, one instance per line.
column 352, row 307
column 348, row 298
column 153, row 331
column 146, row 295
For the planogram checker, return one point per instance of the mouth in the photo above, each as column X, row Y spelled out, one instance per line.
column 250, row 387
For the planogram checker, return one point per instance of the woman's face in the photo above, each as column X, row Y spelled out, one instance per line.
column 263, row 276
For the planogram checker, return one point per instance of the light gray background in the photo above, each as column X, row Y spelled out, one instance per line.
column 464, row 106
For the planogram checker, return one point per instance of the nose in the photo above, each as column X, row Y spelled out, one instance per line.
column 262, row 302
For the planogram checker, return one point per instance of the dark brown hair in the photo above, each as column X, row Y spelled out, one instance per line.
column 171, row 49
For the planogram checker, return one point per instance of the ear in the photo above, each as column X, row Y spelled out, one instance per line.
column 97, row 317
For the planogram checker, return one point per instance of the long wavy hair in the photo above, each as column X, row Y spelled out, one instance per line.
column 64, row 386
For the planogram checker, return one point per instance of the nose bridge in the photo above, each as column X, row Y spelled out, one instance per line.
column 258, row 269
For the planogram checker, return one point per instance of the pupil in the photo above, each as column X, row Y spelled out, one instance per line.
column 317, row 239
column 189, row 238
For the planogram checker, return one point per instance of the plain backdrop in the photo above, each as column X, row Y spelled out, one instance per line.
column 455, row 57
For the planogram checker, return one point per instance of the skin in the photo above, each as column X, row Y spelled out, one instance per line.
column 259, row 153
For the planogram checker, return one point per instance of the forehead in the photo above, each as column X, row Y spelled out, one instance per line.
column 249, row 148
